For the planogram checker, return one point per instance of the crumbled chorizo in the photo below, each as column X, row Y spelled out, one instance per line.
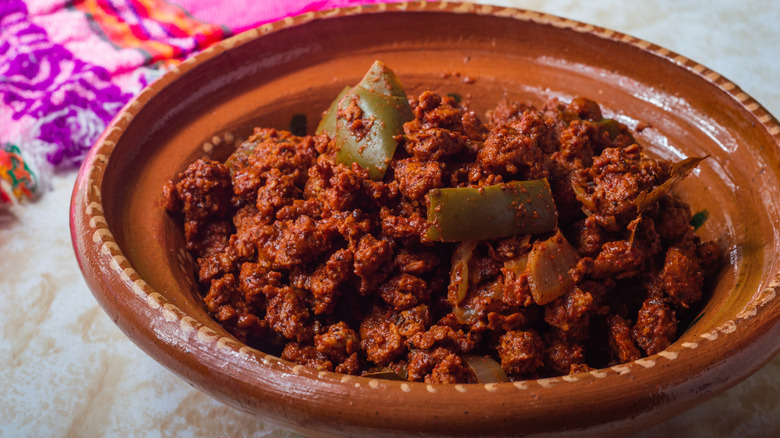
column 682, row 276
column 563, row 356
column 287, row 314
column 278, row 191
column 326, row 280
column 380, row 338
column 517, row 291
column 521, row 352
column 621, row 341
column 269, row 150
column 439, row 365
column 610, row 186
column 673, row 221
column 404, row 291
column 510, row 152
column 310, row 258
column 440, row 129
column 371, row 256
column 416, row 179
column 570, row 314
column 255, row 281
column 290, row 243
column 508, row 112
column 576, row 149
column 202, row 191
column 415, row 262
column 338, row 343
column 589, row 237
column 709, row 258
column 442, row 335
column 655, row 327
column 306, row 355
column 412, row 321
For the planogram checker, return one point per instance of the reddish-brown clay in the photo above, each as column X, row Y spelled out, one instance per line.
column 132, row 256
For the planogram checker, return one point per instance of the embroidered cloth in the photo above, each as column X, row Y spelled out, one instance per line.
column 68, row 66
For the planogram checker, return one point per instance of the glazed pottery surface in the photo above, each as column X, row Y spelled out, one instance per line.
column 132, row 253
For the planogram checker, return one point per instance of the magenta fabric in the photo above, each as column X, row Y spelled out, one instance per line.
column 68, row 66
column 254, row 13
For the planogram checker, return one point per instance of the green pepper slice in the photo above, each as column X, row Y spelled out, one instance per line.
column 491, row 212
column 385, row 109
column 328, row 123
column 699, row 219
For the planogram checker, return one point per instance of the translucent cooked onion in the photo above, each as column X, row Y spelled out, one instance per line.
column 486, row 369
column 549, row 263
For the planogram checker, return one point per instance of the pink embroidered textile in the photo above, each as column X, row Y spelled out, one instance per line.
column 68, row 66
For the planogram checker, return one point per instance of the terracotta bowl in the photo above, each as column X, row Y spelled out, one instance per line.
column 132, row 256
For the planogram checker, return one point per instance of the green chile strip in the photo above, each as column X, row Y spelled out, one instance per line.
column 385, row 109
column 328, row 122
column 491, row 212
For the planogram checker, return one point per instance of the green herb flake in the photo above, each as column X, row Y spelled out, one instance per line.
column 699, row 219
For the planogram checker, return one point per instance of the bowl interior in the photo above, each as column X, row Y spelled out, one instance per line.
column 267, row 76
column 208, row 110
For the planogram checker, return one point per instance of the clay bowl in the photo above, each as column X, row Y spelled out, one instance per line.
column 132, row 256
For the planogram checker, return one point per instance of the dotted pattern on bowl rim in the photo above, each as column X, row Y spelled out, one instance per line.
column 207, row 336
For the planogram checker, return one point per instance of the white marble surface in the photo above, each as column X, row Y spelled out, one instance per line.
column 66, row 370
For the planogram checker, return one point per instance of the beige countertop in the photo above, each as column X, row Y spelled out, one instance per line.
column 67, row 370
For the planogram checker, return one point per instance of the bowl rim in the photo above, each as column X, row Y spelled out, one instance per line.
column 99, row 255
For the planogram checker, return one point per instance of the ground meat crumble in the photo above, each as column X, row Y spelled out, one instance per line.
column 311, row 260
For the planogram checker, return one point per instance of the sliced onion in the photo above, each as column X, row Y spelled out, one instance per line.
column 464, row 314
column 517, row 265
column 549, row 263
column 459, row 275
column 486, row 369
column 680, row 170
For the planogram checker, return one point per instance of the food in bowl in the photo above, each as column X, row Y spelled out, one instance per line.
column 408, row 239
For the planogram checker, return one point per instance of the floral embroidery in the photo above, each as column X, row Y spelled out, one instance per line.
column 71, row 100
